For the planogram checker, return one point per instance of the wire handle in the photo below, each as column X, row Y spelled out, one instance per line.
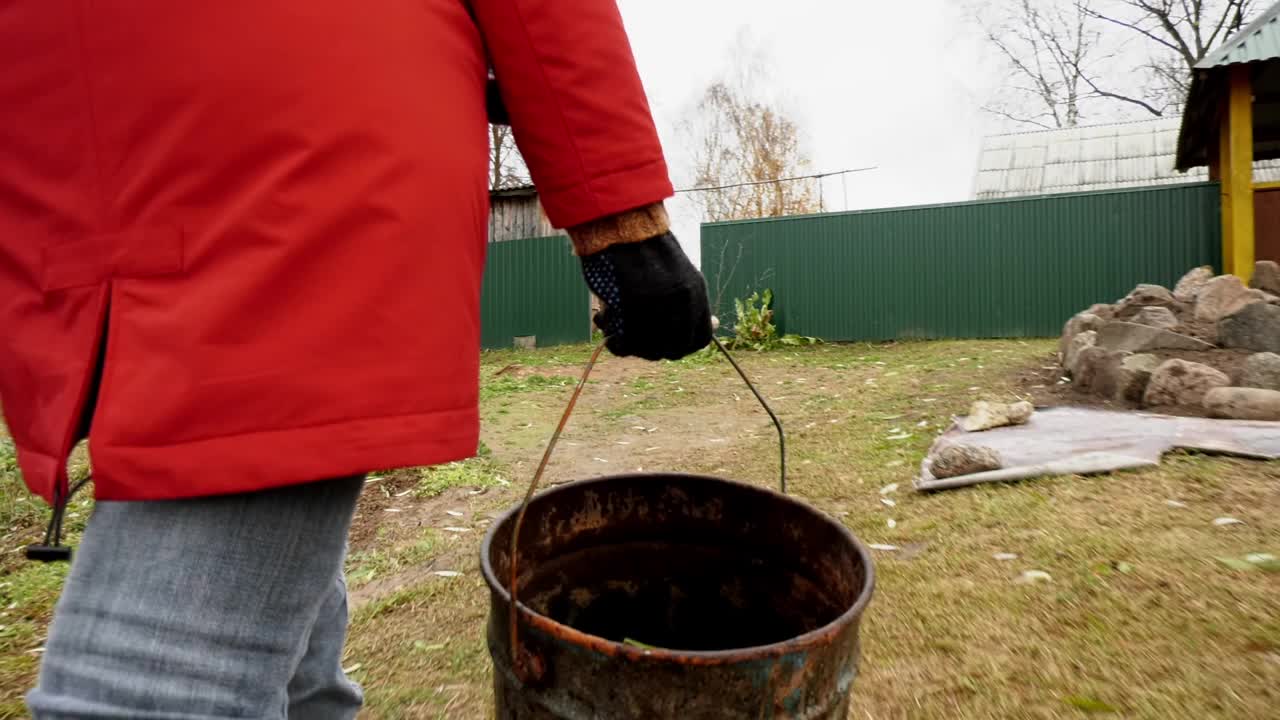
column 527, row 666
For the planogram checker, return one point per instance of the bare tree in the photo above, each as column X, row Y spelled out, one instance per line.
column 1064, row 55
column 1053, row 53
column 506, row 166
column 1177, row 34
column 746, row 148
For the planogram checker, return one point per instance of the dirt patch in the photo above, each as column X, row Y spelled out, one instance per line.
column 379, row 494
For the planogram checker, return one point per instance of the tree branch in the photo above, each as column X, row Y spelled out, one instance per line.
column 1024, row 120
column 1140, row 30
column 1099, row 92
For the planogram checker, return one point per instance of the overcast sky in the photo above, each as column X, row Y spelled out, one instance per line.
column 891, row 84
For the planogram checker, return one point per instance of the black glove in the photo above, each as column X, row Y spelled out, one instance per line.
column 656, row 303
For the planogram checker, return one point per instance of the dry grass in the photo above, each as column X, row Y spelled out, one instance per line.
column 1140, row 619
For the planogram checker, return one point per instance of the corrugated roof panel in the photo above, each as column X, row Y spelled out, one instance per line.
column 1024, row 180
column 1257, row 42
column 1098, row 148
column 1136, row 146
column 996, row 160
column 1063, row 175
column 1029, row 157
column 1094, row 158
column 997, row 142
column 1065, row 152
column 1136, row 169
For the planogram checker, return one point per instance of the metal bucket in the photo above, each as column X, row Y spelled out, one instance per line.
column 675, row 596
column 672, row 596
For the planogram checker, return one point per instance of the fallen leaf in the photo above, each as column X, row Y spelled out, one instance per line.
column 1238, row 564
column 889, row 489
column 638, row 644
column 1090, row 705
column 1225, row 521
column 1005, row 557
column 1032, row 577
column 1124, row 567
column 883, row 548
column 1264, row 561
column 888, row 503
column 353, row 668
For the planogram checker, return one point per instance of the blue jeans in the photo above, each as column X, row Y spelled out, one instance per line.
column 228, row 607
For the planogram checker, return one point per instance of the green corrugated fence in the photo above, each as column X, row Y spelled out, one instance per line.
column 533, row 288
column 1003, row 268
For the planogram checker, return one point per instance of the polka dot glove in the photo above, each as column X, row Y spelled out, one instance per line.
column 655, row 300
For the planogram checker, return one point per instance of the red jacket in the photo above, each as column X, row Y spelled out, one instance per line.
column 264, row 220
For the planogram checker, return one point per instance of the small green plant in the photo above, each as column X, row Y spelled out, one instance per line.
column 755, row 329
column 476, row 473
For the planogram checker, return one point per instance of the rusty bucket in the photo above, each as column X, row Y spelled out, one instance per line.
column 673, row 596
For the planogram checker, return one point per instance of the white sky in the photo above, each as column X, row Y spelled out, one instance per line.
column 892, row 84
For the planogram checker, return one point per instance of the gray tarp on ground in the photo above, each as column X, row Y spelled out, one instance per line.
column 1082, row 441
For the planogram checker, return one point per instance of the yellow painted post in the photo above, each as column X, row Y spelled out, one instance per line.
column 1237, row 174
column 1224, row 178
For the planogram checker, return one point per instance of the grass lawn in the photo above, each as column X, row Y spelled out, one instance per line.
column 1141, row 617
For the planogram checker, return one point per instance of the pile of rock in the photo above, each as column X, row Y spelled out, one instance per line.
column 1128, row 352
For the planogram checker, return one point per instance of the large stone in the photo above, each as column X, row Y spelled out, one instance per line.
column 1189, row 286
column 1119, row 336
column 1243, row 403
column 959, row 460
column 1262, row 371
column 1084, row 322
column 1103, row 310
column 1256, row 327
column 1147, row 296
column 1178, row 382
column 1089, row 366
column 1124, row 377
column 1086, row 339
column 1225, row 295
column 1156, row 317
column 990, row 415
column 1266, row 277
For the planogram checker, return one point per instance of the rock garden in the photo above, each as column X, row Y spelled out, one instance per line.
column 1210, row 346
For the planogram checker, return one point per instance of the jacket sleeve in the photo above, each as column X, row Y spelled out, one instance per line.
column 578, row 110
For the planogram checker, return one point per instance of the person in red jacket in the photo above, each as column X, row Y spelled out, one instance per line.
column 241, row 249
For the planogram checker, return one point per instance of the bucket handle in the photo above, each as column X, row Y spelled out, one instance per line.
column 527, row 666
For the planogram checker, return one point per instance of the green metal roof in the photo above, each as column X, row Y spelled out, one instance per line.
column 1257, row 42
column 1257, row 46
